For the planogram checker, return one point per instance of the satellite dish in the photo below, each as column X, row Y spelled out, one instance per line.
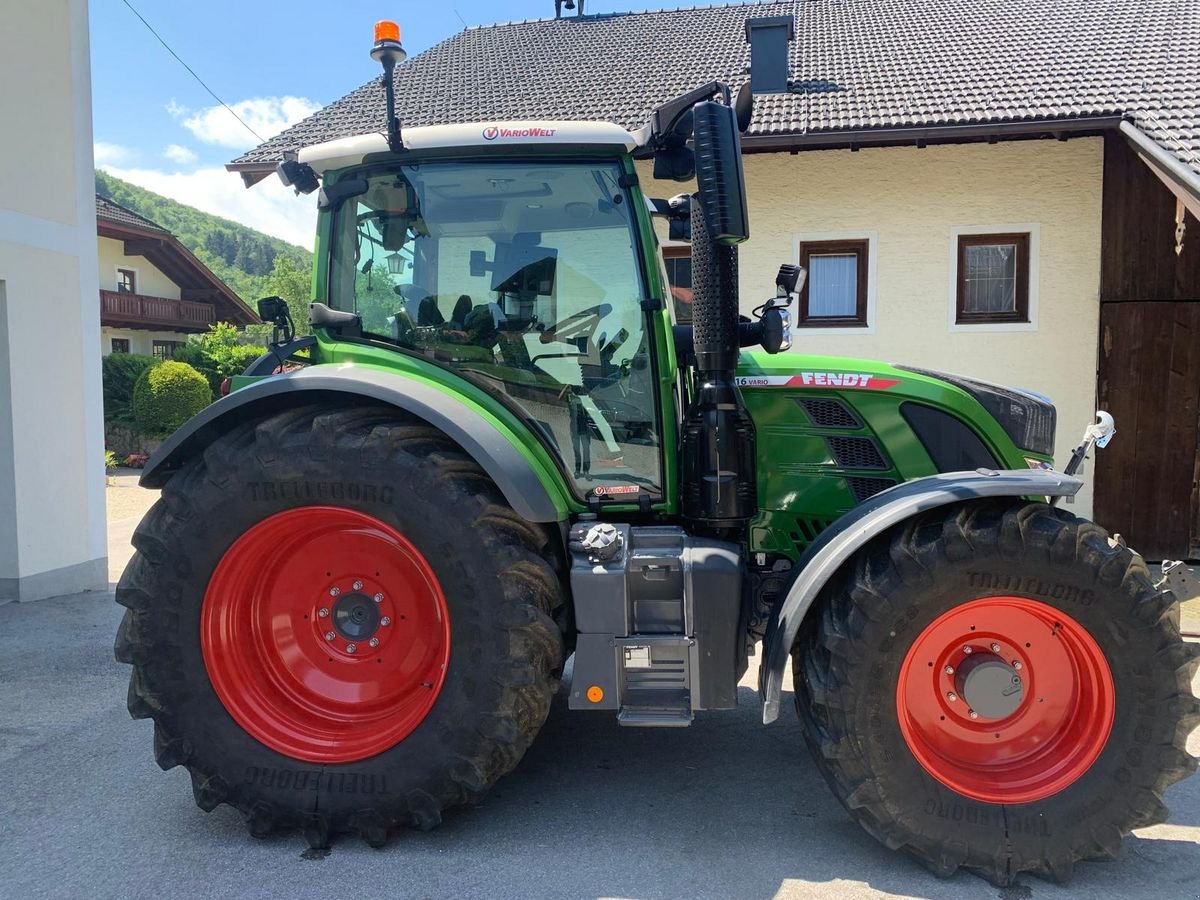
column 744, row 106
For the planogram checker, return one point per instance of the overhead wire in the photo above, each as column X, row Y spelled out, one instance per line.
column 192, row 72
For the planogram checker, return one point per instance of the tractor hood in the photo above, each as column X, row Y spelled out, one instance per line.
column 1026, row 421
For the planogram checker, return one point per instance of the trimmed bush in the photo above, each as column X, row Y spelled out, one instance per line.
column 168, row 395
column 119, row 372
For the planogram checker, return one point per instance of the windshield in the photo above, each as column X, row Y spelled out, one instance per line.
column 524, row 277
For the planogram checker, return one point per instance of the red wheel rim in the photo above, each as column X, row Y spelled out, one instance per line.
column 1020, row 746
column 325, row 634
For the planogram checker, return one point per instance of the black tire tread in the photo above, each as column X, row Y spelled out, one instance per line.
column 823, row 665
column 529, row 586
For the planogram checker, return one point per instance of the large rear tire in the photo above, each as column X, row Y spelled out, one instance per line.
column 338, row 624
column 1055, row 633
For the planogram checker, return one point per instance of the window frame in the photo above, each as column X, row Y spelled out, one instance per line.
column 953, row 326
column 669, row 252
column 133, row 273
column 166, row 345
column 866, row 245
column 1022, row 241
column 124, row 341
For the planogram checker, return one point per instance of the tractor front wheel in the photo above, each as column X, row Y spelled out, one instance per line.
column 337, row 624
column 999, row 687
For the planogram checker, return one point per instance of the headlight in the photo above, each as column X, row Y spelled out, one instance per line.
column 1027, row 418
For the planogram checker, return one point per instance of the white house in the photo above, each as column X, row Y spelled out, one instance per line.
column 153, row 291
column 1007, row 190
column 52, row 527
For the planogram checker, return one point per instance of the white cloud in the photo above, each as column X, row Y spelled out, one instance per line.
column 266, row 115
column 268, row 206
column 179, row 154
column 110, row 154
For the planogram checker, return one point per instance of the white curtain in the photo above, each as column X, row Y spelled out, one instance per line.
column 991, row 278
column 833, row 285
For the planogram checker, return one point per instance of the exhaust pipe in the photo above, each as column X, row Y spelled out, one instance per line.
column 719, row 489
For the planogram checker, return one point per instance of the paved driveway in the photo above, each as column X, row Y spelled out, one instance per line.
column 724, row 809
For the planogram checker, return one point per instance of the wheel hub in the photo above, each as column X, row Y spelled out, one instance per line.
column 989, row 685
column 355, row 616
column 1005, row 699
column 339, row 676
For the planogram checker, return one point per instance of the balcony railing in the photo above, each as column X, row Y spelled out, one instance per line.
column 138, row 310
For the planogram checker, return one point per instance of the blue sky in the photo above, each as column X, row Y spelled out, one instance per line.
column 275, row 63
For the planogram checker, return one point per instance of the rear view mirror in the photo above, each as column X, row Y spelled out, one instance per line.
column 478, row 264
column 719, row 173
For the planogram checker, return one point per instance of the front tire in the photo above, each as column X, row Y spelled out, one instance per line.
column 1055, row 633
column 337, row 624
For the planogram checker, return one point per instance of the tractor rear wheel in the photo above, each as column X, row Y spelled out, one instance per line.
column 1000, row 687
column 338, row 624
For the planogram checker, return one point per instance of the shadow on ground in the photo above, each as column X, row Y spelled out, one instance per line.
column 726, row 808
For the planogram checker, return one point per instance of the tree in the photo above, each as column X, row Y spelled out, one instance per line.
column 293, row 284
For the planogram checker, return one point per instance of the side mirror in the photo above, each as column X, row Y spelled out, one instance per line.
column 719, row 173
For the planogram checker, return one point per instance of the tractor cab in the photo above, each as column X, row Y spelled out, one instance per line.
column 511, row 255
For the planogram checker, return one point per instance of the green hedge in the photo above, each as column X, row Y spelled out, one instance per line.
column 167, row 395
column 119, row 372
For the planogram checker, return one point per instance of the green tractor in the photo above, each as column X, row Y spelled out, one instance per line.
column 500, row 451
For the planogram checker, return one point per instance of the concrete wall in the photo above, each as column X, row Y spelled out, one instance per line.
column 52, row 524
column 910, row 203
column 150, row 280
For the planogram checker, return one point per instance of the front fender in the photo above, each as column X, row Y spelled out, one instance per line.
column 517, row 475
column 837, row 543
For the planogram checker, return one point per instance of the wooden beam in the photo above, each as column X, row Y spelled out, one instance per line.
column 142, row 246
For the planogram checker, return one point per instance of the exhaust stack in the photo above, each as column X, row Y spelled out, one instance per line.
column 719, row 478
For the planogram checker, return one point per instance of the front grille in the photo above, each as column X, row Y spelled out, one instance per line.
column 856, row 453
column 830, row 413
column 865, row 488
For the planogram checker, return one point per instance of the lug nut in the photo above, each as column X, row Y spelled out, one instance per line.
column 374, row 642
column 1016, row 664
column 951, row 696
column 358, row 585
column 329, row 635
column 334, row 591
column 995, row 647
column 379, row 598
column 968, row 649
column 322, row 612
column 386, row 620
column 350, row 648
column 972, row 714
column 949, row 670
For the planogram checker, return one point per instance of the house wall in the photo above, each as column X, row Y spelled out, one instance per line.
column 150, row 280
column 140, row 340
column 911, row 202
column 52, row 519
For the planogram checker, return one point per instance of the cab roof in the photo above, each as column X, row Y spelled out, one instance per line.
column 350, row 151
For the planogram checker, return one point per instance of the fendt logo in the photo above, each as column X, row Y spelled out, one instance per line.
column 858, row 380
column 492, row 132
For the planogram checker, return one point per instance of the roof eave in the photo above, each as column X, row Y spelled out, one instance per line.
column 917, row 134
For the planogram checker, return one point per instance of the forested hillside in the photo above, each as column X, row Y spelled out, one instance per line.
column 242, row 257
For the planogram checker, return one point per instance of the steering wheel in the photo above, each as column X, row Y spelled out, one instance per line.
column 582, row 324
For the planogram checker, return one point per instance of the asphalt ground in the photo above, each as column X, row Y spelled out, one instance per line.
column 725, row 808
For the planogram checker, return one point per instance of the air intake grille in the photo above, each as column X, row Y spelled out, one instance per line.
column 865, row 488
column 856, row 453
column 829, row 413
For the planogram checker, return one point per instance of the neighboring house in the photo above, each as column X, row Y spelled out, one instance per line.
column 153, row 291
column 1005, row 188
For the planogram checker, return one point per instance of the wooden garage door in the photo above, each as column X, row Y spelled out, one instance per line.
column 1146, row 480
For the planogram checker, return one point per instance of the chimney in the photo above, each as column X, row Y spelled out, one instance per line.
column 768, row 38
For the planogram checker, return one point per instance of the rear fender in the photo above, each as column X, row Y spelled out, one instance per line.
column 841, row 540
column 514, row 473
